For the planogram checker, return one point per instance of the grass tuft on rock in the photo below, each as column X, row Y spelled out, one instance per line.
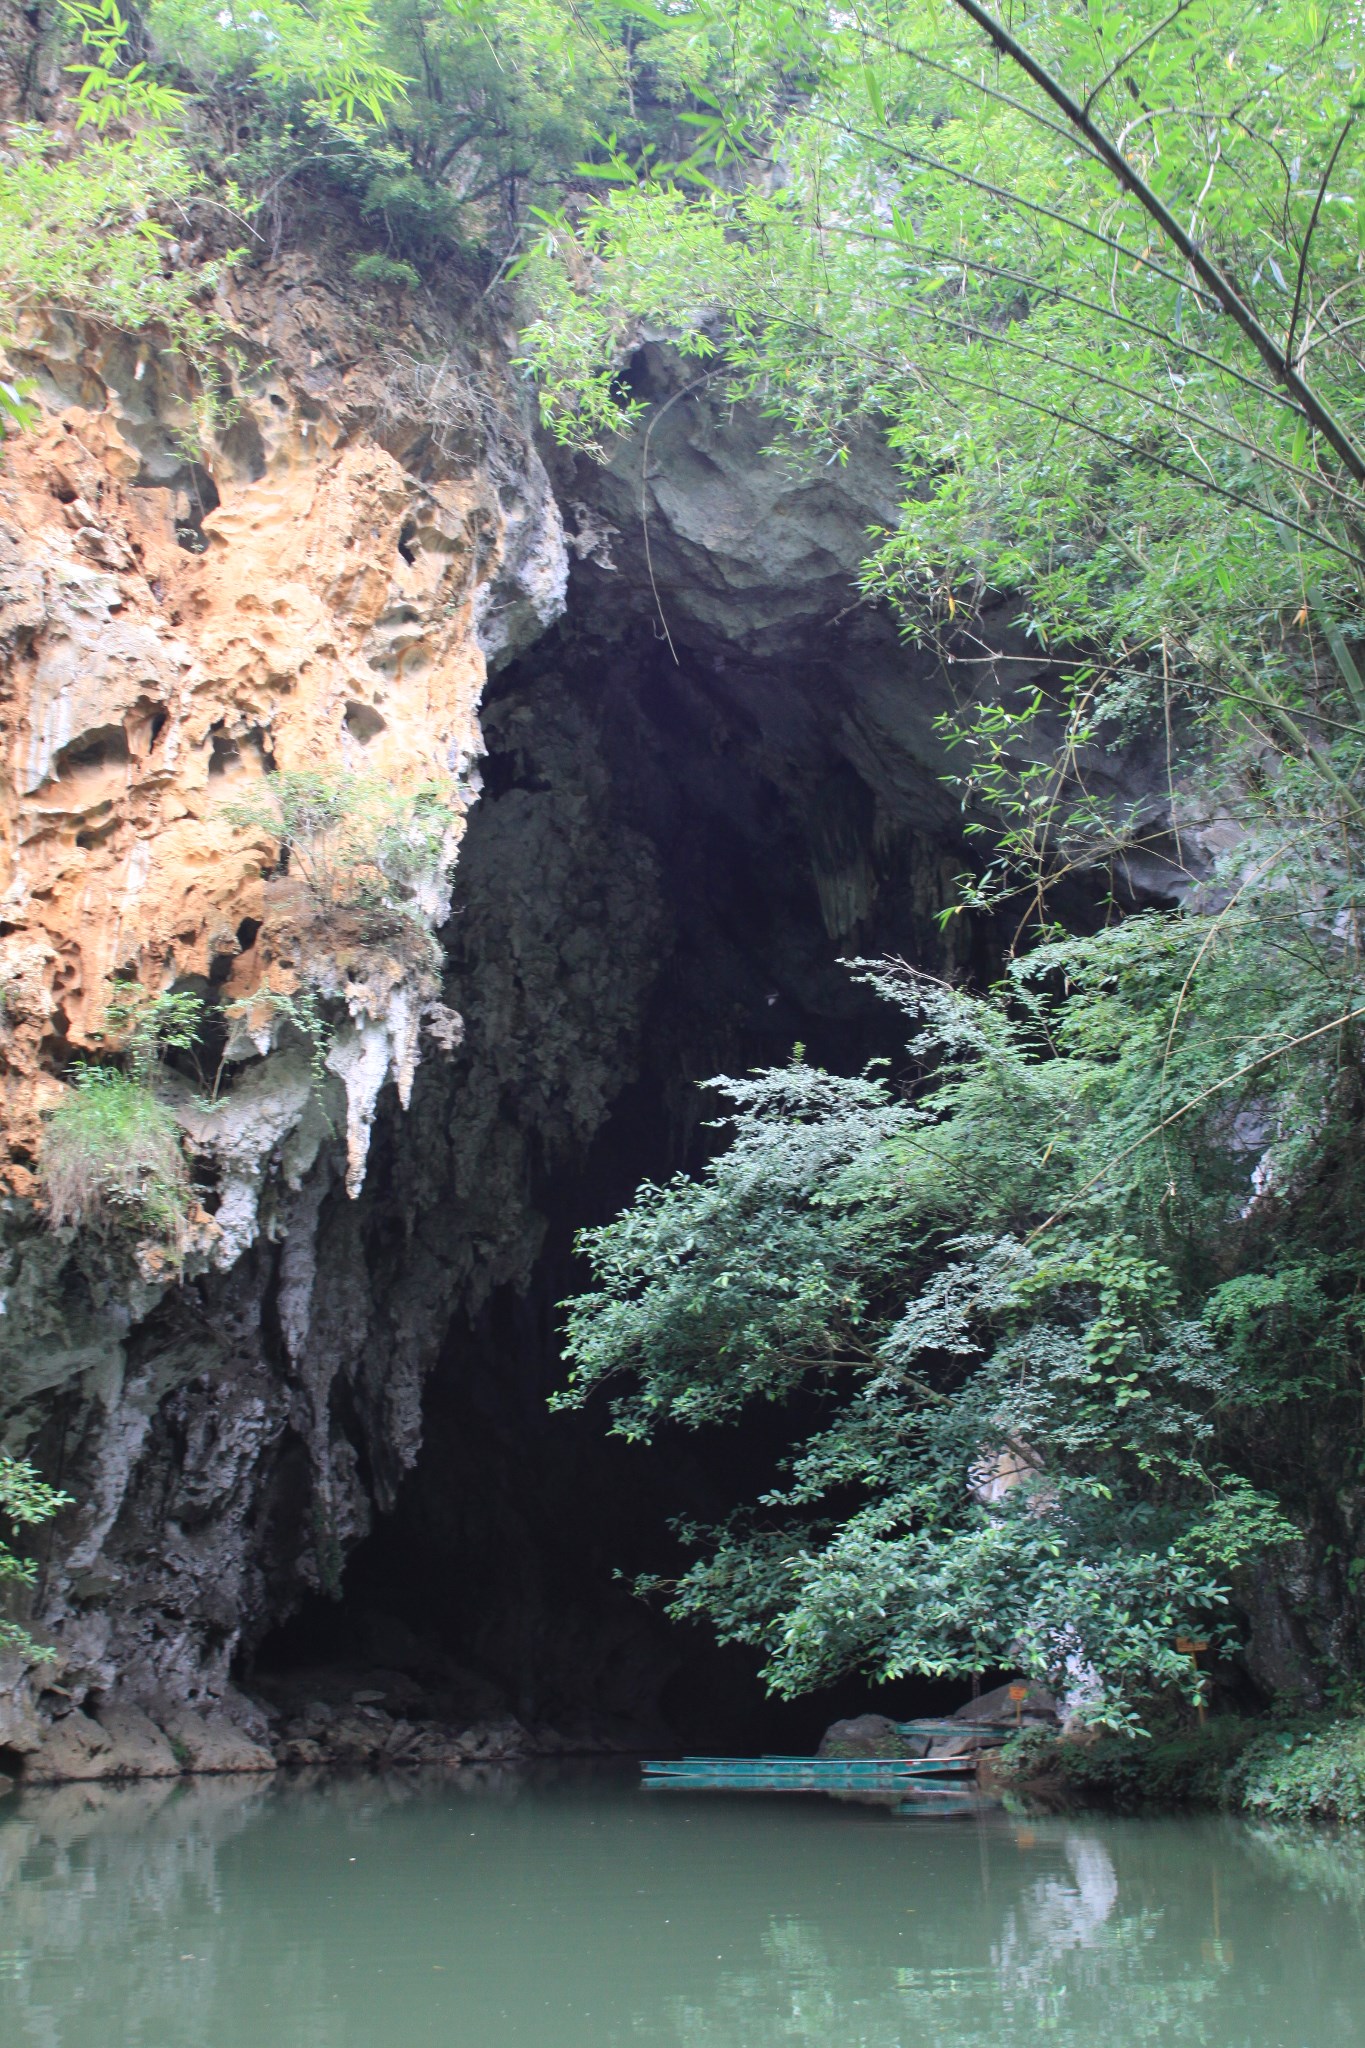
column 112, row 1159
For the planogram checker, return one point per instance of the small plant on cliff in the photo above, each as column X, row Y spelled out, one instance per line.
column 358, row 847
column 387, row 273
column 300, row 1007
column 25, row 1502
column 143, row 1025
column 112, row 1159
column 16, row 411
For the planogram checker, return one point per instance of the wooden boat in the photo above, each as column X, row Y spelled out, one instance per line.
column 801, row 1774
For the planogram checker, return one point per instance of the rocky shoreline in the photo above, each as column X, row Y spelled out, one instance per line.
column 368, row 1729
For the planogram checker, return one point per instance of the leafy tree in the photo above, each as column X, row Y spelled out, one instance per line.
column 504, row 96
column 16, row 413
column 1008, row 1294
column 26, row 1502
column 79, row 230
column 84, row 227
column 326, row 56
column 1101, row 285
column 1099, row 277
column 112, row 87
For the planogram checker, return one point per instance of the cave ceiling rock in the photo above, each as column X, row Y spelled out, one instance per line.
column 741, row 553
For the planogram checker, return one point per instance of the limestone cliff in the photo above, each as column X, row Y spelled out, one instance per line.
column 318, row 581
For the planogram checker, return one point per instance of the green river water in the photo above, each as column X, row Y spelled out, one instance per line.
column 573, row 1910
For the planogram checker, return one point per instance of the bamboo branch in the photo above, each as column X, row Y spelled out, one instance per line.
column 1314, row 409
column 1308, row 237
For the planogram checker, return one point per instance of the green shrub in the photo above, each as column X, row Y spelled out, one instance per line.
column 388, row 272
column 142, row 1026
column 80, row 229
column 25, row 1501
column 112, row 1159
column 1309, row 1770
column 357, row 846
column 1305, row 1774
column 1182, row 1766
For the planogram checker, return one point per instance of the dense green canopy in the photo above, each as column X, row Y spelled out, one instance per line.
column 1098, row 274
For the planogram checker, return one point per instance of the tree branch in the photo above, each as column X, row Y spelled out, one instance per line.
column 1312, row 224
column 1214, row 1088
column 1315, row 410
column 1132, row 50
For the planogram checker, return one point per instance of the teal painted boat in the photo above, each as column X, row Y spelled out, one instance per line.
column 802, row 1774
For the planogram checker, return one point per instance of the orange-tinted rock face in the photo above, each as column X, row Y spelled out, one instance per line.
column 318, row 583
column 158, row 650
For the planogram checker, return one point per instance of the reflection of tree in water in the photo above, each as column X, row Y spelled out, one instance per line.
column 218, row 1915
column 1314, row 1860
column 1068, row 1967
column 1055, row 1917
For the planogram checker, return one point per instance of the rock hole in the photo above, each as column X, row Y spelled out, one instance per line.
column 407, row 542
column 225, row 753
column 55, row 1049
column 104, row 747
column 363, row 722
column 247, row 933
column 230, row 752
column 91, row 836
column 197, row 496
column 243, row 449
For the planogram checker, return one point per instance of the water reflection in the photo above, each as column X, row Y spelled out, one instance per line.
column 489, row 1910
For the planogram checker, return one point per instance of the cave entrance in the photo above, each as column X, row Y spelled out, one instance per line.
column 677, row 846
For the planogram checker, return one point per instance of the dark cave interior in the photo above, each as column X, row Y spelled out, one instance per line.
column 698, row 857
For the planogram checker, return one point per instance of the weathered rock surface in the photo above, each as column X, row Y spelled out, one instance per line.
column 72, row 1747
column 367, row 1737
column 325, row 587
column 997, row 1709
column 973, row 1728
column 117, row 1740
column 316, row 591
column 216, row 1742
column 138, row 1748
column 868, row 1735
